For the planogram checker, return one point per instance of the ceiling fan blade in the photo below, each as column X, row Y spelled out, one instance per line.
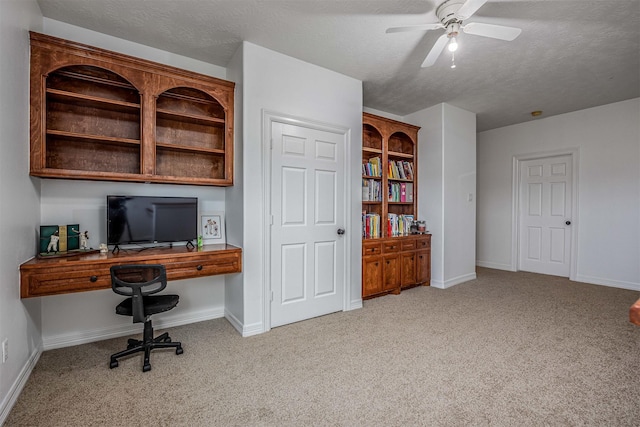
column 469, row 8
column 494, row 31
column 435, row 51
column 423, row 27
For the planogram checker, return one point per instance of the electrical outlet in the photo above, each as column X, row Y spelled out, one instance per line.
column 5, row 349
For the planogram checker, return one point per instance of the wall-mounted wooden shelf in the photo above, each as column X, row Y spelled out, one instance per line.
column 101, row 115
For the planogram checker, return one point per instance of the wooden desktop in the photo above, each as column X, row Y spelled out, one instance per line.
column 89, row 272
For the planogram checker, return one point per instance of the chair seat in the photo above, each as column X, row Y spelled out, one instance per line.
column 152, row 304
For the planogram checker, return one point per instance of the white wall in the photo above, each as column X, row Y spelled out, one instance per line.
column 608, row 218
column 89, row 316
column 19, row 209
column 234, row 289
column 281, row 84
column 446, row 181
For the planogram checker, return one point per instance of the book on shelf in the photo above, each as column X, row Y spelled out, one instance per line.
column 398, row 224
column 371, row 190
column 370, row 225
column 409, row 188
column 403, row 192
column 398, row 169
column 372, row 167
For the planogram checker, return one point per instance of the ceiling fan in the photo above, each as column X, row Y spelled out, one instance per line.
column 451, row 13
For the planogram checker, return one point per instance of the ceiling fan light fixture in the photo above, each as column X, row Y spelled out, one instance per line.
column 453, row 44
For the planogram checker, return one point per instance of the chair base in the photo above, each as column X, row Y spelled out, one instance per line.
column 145, row 345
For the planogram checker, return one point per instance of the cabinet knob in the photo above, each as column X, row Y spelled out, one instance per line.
column 199, row 268
column 376, row 264
column 93, row 279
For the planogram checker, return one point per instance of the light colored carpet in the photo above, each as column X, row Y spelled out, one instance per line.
column 505, row 349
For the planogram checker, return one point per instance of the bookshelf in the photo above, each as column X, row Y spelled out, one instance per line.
column 393, row 258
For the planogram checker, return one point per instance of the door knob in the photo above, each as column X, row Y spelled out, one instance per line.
column 568, row 222
column 340, row 231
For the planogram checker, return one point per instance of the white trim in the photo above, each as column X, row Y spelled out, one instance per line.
column 608, row 282
column 268, row 118
column 18, row 385
column 574, row 153
column 452, row 282
column 355, row 304
column 84, row 337
column 494, row 265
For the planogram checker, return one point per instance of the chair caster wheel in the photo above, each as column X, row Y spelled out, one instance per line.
column 179, row 350
column 146, row 368
column 113, row 364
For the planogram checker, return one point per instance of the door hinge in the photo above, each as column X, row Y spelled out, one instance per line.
column 271, row 143
column 271, row 220
column 271, row 296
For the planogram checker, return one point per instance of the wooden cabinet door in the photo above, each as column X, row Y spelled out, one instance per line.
column 371, row 276
column 408, row 276
column 423, row 267
column 391, row 273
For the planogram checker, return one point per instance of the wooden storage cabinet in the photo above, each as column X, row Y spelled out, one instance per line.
column 392, row 264
column 101, row 115
column 54, row 276
column 392, row 259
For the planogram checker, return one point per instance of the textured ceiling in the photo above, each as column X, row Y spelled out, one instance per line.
column 572, row 54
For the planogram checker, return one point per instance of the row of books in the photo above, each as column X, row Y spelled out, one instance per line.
column 371, row 190
column 399, row 169
column 370, row 225
column 400, row 192
column 399, row 225
column 373, row 167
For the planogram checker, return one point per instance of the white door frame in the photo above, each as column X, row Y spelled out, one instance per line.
column 268, row 118
column 574, row 153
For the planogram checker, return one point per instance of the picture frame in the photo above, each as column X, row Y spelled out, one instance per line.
column 212, row 227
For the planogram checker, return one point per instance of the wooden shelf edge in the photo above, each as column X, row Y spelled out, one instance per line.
column 191, row 149
column 96, row 138
column 192, row 117
column 372, row 150
column 398, row 154
column 97, row 99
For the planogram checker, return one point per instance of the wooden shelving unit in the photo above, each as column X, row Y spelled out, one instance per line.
column 100, row 115
column 393, row 258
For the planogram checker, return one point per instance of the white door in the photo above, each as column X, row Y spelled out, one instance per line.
column 545, row 215
column 308, row 213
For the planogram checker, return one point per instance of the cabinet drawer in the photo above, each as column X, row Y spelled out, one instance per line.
column 196, row 268
column 391, row 247
column 408, row 245
column 424, row 243
column 371, row 248
column 75, row 281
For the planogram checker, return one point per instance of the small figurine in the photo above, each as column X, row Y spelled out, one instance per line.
column 53, row 242
column 84, row 237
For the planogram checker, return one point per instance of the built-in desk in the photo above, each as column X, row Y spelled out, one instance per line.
column 89, row 272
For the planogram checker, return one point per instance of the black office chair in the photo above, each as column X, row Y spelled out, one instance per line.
column 139, row 282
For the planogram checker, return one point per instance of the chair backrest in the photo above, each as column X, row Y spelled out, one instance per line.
column 137, row 281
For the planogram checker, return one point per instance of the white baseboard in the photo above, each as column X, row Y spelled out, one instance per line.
column 244, row 330
column 76, row 338
column 608, row 282
column 18, row 385
column 452, row 282
column 354, row 305
column 494, row 265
